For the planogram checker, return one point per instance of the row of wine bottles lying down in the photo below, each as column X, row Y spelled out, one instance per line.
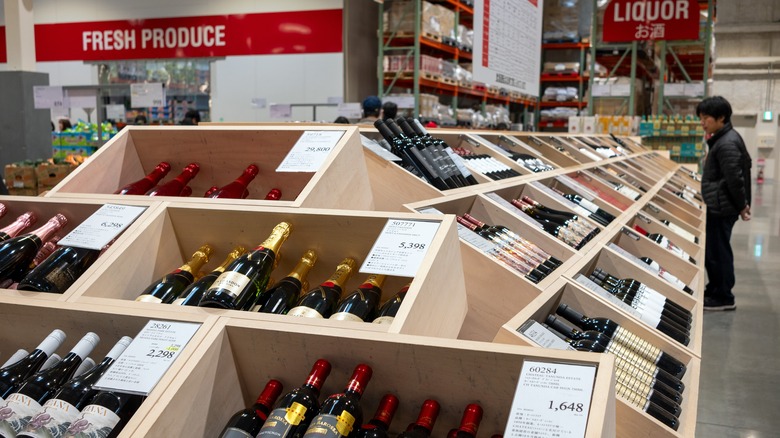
column 647, row 377
column 44, row 396
column 241, row 283
column 298, row 413
column 150, row 184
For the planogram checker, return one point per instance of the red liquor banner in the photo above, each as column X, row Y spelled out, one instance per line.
column 631, row 20
column 190, row 37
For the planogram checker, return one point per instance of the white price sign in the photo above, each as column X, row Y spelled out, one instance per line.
column 310, row 151
column 551, row 399
column 400, row 247
column 48, row 97
column 280, row 111
column 81, row 98
column 147, row 95
column 350, row 110
column 148, row 357
column 102, row 227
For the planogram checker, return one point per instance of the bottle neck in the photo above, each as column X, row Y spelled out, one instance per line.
column 374, row 281
column 199, row 258
column 570, row 314
column 317, row 376
column 360, row 378
column 342, row 274
column 236, row 253
column 277, row 238
column 249, row 174
column 158, row 173
column 54, row 224
column 268, row 396
column 22, row 222
column 427, row 416
column 303, row 267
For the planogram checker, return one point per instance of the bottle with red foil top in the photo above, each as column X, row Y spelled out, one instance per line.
column 45, row 251
column 3, row 209
column 17, row 253
column 341, row 414
column 377, row 427
column 274, row 195
column 361, row 304
column 16, row 227
column 175, row 186
column 247, row 422
column 321, row 301
column 295, row 411
column 238, row 188
column 211, row 190
column 425, row 420
column 143, row 185
column 469, row 423
column 186, row 192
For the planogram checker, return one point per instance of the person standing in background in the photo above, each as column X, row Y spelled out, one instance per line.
column 64, row 124
column 191, row 117
column 372, row 106
column 389, row 110
column 726, row 190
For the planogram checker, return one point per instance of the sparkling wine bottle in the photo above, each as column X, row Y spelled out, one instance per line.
column 192, row 295
column 144, row 184
column 64, row 407
column 378, row 425
column 105, row 415
column 273, row 195
column 296, row 409
column 360, row 305
column 553, row 225
column 239, row 287
column 469, row 423
column 412, row 158
column 389, row 309
column 441, row 161
column 341, row 414
column 17, row 253
column 238, row 188
column 171, row 285
column 41, row 386
column 247, row 422
column 321, row 301
column 426, row 419
column 13, row 375
column 176, row 185
column 282, row 296
column 59, row 270
column 17, row 226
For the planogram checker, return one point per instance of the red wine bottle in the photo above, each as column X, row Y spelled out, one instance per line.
column 296, row 409
column 238, row 188
column 360, row 305
column 17, row 253
column 423, row 426
column 282, row 296
column 105, row 415
column 378, row 425
column 16, row 227
column 144, row 184
column 341, row 414
column 13, row 375
column 247, row 422
column 390, row 308
column 185, row 192
column 469, row 423
column 273, row 195
column 211, row 190
column 176, row 185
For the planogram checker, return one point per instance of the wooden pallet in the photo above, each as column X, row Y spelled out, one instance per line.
column 449, row 81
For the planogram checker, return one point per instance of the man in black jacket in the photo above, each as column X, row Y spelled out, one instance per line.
column 726, row 190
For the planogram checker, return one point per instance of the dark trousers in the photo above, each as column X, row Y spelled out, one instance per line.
column 718, row 257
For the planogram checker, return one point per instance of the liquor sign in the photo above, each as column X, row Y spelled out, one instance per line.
column 638, row 20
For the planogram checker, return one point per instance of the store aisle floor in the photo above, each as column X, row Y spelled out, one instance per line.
column 739, row 392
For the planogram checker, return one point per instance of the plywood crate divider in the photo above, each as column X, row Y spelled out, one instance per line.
column 512, row 144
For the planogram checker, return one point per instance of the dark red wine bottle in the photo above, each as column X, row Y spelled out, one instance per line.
column 238, row 188
column 247, row 422
column 144, row 184
column 16, row 227
column 377, row 427
column 176, row 185
column 274, row 195
column 469, row 423
column 211, row 190
column 423, row 426
column 341, row 414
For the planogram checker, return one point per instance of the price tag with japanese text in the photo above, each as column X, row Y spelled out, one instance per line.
column 48, row 97
column 400, row 247
column 102, row 227
column 310, row 151
column 147, row 95
column 148, row 357
column 551, row 399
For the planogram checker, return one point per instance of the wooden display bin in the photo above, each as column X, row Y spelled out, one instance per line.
column 609, row 174
column 25, row 324
column 509, row 290
column 681, row 204
column 562, row 159
column 644, row 165
column 240, row 356
column 557, row 183
column 602, row 186
column 674, row 206
column 503, row 143
column 76, row 211
column 434, row 305
column 653, row 225
column 662, row 215
column 223, row 153
column 631, row 421
column 648, row 175
column 572, row 146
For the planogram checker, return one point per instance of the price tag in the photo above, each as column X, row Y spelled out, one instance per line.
column 102, row 227
column 147, row 95
column 335, row 99
column 542, row 336
column 400, row 247
column 429, row 210
column 81, row 98
column 350, row 110
column 258, row 102
column 551, row 399
column 603, row 293
column 48, row 97
column 280, row 111
column 310, row 151
column 115, row 112
column 148, row 357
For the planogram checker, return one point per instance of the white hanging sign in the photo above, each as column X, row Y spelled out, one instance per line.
column 48, row 97
column 146, row 95
column 102, row 226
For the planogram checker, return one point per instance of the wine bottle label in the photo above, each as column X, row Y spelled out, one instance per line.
column 232, row 282
column 346, row 316
column 633, row 371
column 630, row 396
column 649, row 294
column 632, row 383
column 281, row 420
column 650, row 316
column 95, row 421
column 589, row 205
column 178, row 301
column 16, row 413
column 631, row 357
column 332, row 426
column 638, row 345
column 148, row 299
column 684, row 233
column 384, row 320
column 232, row 432
column 61, row 278
column 305, row 312
column 671, row 279
column 52, row 422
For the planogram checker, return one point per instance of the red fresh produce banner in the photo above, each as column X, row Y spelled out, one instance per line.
column 632, row 20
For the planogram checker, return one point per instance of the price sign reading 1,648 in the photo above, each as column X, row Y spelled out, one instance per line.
column 566, row 406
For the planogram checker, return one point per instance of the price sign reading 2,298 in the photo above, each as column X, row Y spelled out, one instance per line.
column 400, row 248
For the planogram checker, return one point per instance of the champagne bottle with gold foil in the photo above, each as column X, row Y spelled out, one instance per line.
column 361, row 304
column 194, row 293
column 170, row 286
column 282, row 296
column 321, row 301
column 239, row 287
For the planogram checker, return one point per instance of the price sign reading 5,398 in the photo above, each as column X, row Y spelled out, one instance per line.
column 412, row 245
column 400, row 247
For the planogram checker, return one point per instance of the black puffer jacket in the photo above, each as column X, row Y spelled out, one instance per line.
column 725, row 183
